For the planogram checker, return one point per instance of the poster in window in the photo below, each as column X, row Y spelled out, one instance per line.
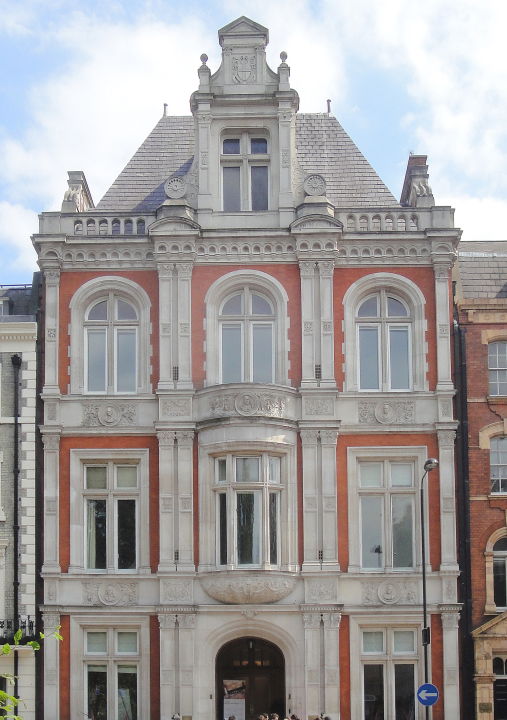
column 234, row 699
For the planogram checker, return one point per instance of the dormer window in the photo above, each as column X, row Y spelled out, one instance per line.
column 245, row 172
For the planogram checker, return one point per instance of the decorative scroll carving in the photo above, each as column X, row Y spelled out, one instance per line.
column 389, row 592
column 326, row 269
column 309, row 437
column 109, row 593
column 327, row 326
column 184, row 270
column 386, row 413
column 187, row 621
column 319, row 406
column 308, row 327
column 285, row 157
column 185, row 438
column 52, row 277
column 238, row 588
column 176, row 591
column 109, row 415
column 204, row 158
column 51, row 621
column 306, row 269
column 184, row 328
column 446, row 438
column 443, row 329
column 311, row 620
column 166, row 437
column 450, row 620
column 51, row 442
column 167, row 621
column 175, row 187
column 51, row 334
column 175, row 406
column 247, row 403
column 328, row 437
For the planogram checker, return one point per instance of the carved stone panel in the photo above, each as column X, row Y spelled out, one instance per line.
column 235, row 588
column 248, row 403
column 108, row 414
column 109, row 593
column 176, row 591
column 389, row 592
column 391, row 412
column 320, row 590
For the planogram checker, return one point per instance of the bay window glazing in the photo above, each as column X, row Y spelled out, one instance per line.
column 248, row 491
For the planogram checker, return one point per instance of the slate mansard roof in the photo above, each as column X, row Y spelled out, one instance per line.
column 323, row 147
column 483, row 269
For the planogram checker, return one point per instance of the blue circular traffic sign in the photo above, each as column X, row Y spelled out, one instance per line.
column 427, row 694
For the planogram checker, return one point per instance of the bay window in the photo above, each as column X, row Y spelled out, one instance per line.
column 248, row 495
column 389, row 673
column 245, row 172
column 111, row 346
column 111, row 507
column 112, row 673
column 387, row 507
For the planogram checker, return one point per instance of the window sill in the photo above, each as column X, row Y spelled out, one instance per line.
column 497, row 399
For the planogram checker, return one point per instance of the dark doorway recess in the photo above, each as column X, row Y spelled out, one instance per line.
column 259, row 667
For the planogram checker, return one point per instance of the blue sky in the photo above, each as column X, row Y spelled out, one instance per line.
column 80, row 90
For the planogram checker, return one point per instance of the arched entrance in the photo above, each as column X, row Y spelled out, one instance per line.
column 250, row 679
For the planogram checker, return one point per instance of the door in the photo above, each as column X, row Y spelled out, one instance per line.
column 500, row 694
column 250, row 679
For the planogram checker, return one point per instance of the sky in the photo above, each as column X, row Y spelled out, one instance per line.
column 82, row 85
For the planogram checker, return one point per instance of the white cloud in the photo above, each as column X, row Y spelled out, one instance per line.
column 480, row 218
column 17, row 223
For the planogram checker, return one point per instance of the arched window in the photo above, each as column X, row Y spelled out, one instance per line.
column 498, row 464
column 111, row 342
column 246, row 329
column 497, row 367
column 110, row 337
column 129, row 227
column 500, row 572
column 115, row 227
column 246, row 320
column 90, row 227
column 384, row 335
column 383, row 330
column 141, row 229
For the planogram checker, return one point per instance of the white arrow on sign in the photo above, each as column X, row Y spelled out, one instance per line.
column 425, row 694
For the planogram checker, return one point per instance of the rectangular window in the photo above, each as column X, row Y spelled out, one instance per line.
column 222, row 528
column 112, row 686
column 262, row 352
column 399, row 358
column 497, row 364
column 248, row 528
column 273, row 528
column 111, row 499
column 232, row 188
column 232, row 353
column 500, row 582
column 126, row 371
column 386, row 502
column 259, row 185
column 373, row 692
column 368, row 358
column 96, row 360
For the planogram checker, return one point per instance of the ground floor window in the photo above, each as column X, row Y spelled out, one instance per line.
column 389, row 673
column 111, row 670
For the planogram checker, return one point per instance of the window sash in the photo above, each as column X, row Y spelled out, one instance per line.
column 500, row 581
column 231, row 188
column 125, row 371
column 262, row 355
column 96, row 360
column 399, row 362
column 369, row 357
column 231, row 345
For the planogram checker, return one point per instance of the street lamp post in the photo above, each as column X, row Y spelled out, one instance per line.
column 429, row 465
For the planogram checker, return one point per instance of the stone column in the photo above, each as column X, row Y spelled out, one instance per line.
column 184, row 279
column 186, row 623
column 443, row 319
column 167, row 623
column 51, row 621
column 286, row 122
column 51, row 493
column 312, row 664
column 204, row 128
column 185, row 481
column 167, row 529
column 326, row 272
column 329, row 509
column 311, row 526
column 450, row 620
column 52, row 280
column 332, row 664
column 308, row 320
column 447, row 500
column 165, row 289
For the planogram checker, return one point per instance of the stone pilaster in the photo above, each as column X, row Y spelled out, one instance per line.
column 167, row 521
column 184, row 280
column 447, row 500
column 329, row 507
column 311, row 526
column 168, row 657
column 443, row 320
column 308, row 321
column 450, row 620
column 165, row 292
column 332, row 663
column 185, row 479
column 312, row 664
column 51, row 493
column 51, row 621
column 326, row 273
column 52, row 280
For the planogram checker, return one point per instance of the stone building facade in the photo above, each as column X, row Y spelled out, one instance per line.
column 18, row 334
column 247, row 363
column 481, row 297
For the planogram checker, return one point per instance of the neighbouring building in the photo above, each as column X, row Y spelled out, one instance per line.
column 18, row 335
column 247, row 362
column 481, row 300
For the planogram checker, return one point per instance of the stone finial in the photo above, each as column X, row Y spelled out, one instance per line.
column 204, row 74
column 416, row 190
column 78, row 197
column 283, row 72
column 283, row 56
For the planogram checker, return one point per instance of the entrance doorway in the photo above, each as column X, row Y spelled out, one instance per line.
column 250, row 679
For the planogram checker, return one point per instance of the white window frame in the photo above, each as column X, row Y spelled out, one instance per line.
column 499, row 465
column 110, row 623
column 356, row 455
column 247, row 321
column 409, row 293
column 493, row 372
column 264, row 284
column 82, row 300
column 79, row 460
column 264, row 488
column 245, row 160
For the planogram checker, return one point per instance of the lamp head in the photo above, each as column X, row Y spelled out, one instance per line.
column 430, row 464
